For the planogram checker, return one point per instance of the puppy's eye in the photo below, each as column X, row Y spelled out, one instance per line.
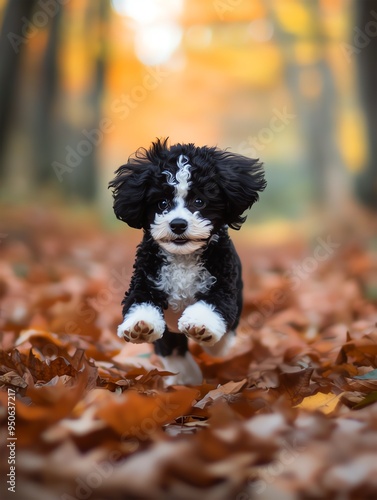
column 163, row 205
column 199, row 203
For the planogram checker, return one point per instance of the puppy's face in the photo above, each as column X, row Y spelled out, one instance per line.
column 180, row 221
column 183, row 194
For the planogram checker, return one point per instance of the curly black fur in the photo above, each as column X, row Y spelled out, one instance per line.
column 227, row 183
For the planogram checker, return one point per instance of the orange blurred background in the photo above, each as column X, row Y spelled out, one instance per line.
column 84, row 83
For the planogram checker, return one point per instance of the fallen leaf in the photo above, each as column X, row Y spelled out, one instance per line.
column 220, row 392
column 296, row 384
column 325, row 403
column 139, row 415
column 367, row 400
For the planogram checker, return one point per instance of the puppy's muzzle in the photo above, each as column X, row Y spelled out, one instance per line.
column 178, row 226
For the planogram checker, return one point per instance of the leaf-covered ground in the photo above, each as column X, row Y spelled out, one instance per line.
column 290, row 413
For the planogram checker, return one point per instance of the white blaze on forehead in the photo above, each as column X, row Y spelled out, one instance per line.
column 181, row 181
column 183, row 177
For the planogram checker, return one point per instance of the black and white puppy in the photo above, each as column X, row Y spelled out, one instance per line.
column 184, row 198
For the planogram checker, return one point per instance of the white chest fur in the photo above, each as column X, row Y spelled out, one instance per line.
column 181, row 277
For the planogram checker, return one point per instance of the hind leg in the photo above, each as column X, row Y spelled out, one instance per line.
column 176, row 358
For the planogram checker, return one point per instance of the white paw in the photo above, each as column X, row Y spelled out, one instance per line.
column 202, row 323
column 142, row 323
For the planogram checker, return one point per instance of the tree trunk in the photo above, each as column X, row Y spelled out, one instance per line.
column 12, row 44
column 45, row 129
column 366, row 182
column 83, row 181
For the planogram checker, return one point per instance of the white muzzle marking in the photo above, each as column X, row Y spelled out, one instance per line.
column 198, row 229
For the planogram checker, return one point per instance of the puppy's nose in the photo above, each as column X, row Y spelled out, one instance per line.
column 178, row 226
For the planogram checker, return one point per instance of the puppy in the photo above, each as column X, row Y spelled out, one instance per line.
column 184, row 198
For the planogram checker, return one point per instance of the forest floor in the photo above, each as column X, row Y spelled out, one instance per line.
column 290, row 413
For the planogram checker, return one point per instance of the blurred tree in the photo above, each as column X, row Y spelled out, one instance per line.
column 10, row 62
column 310, row 80
column 45, row 128
column 46, row 124
column 366, row 182
column 84, row 179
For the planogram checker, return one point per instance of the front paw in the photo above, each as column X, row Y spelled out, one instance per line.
column 202, row 323
column 142, row 323
column 138, row 333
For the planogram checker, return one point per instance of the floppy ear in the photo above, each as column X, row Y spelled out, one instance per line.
column 240, row 180
column 131, row 186
column 129, row 189
column 135, row 182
